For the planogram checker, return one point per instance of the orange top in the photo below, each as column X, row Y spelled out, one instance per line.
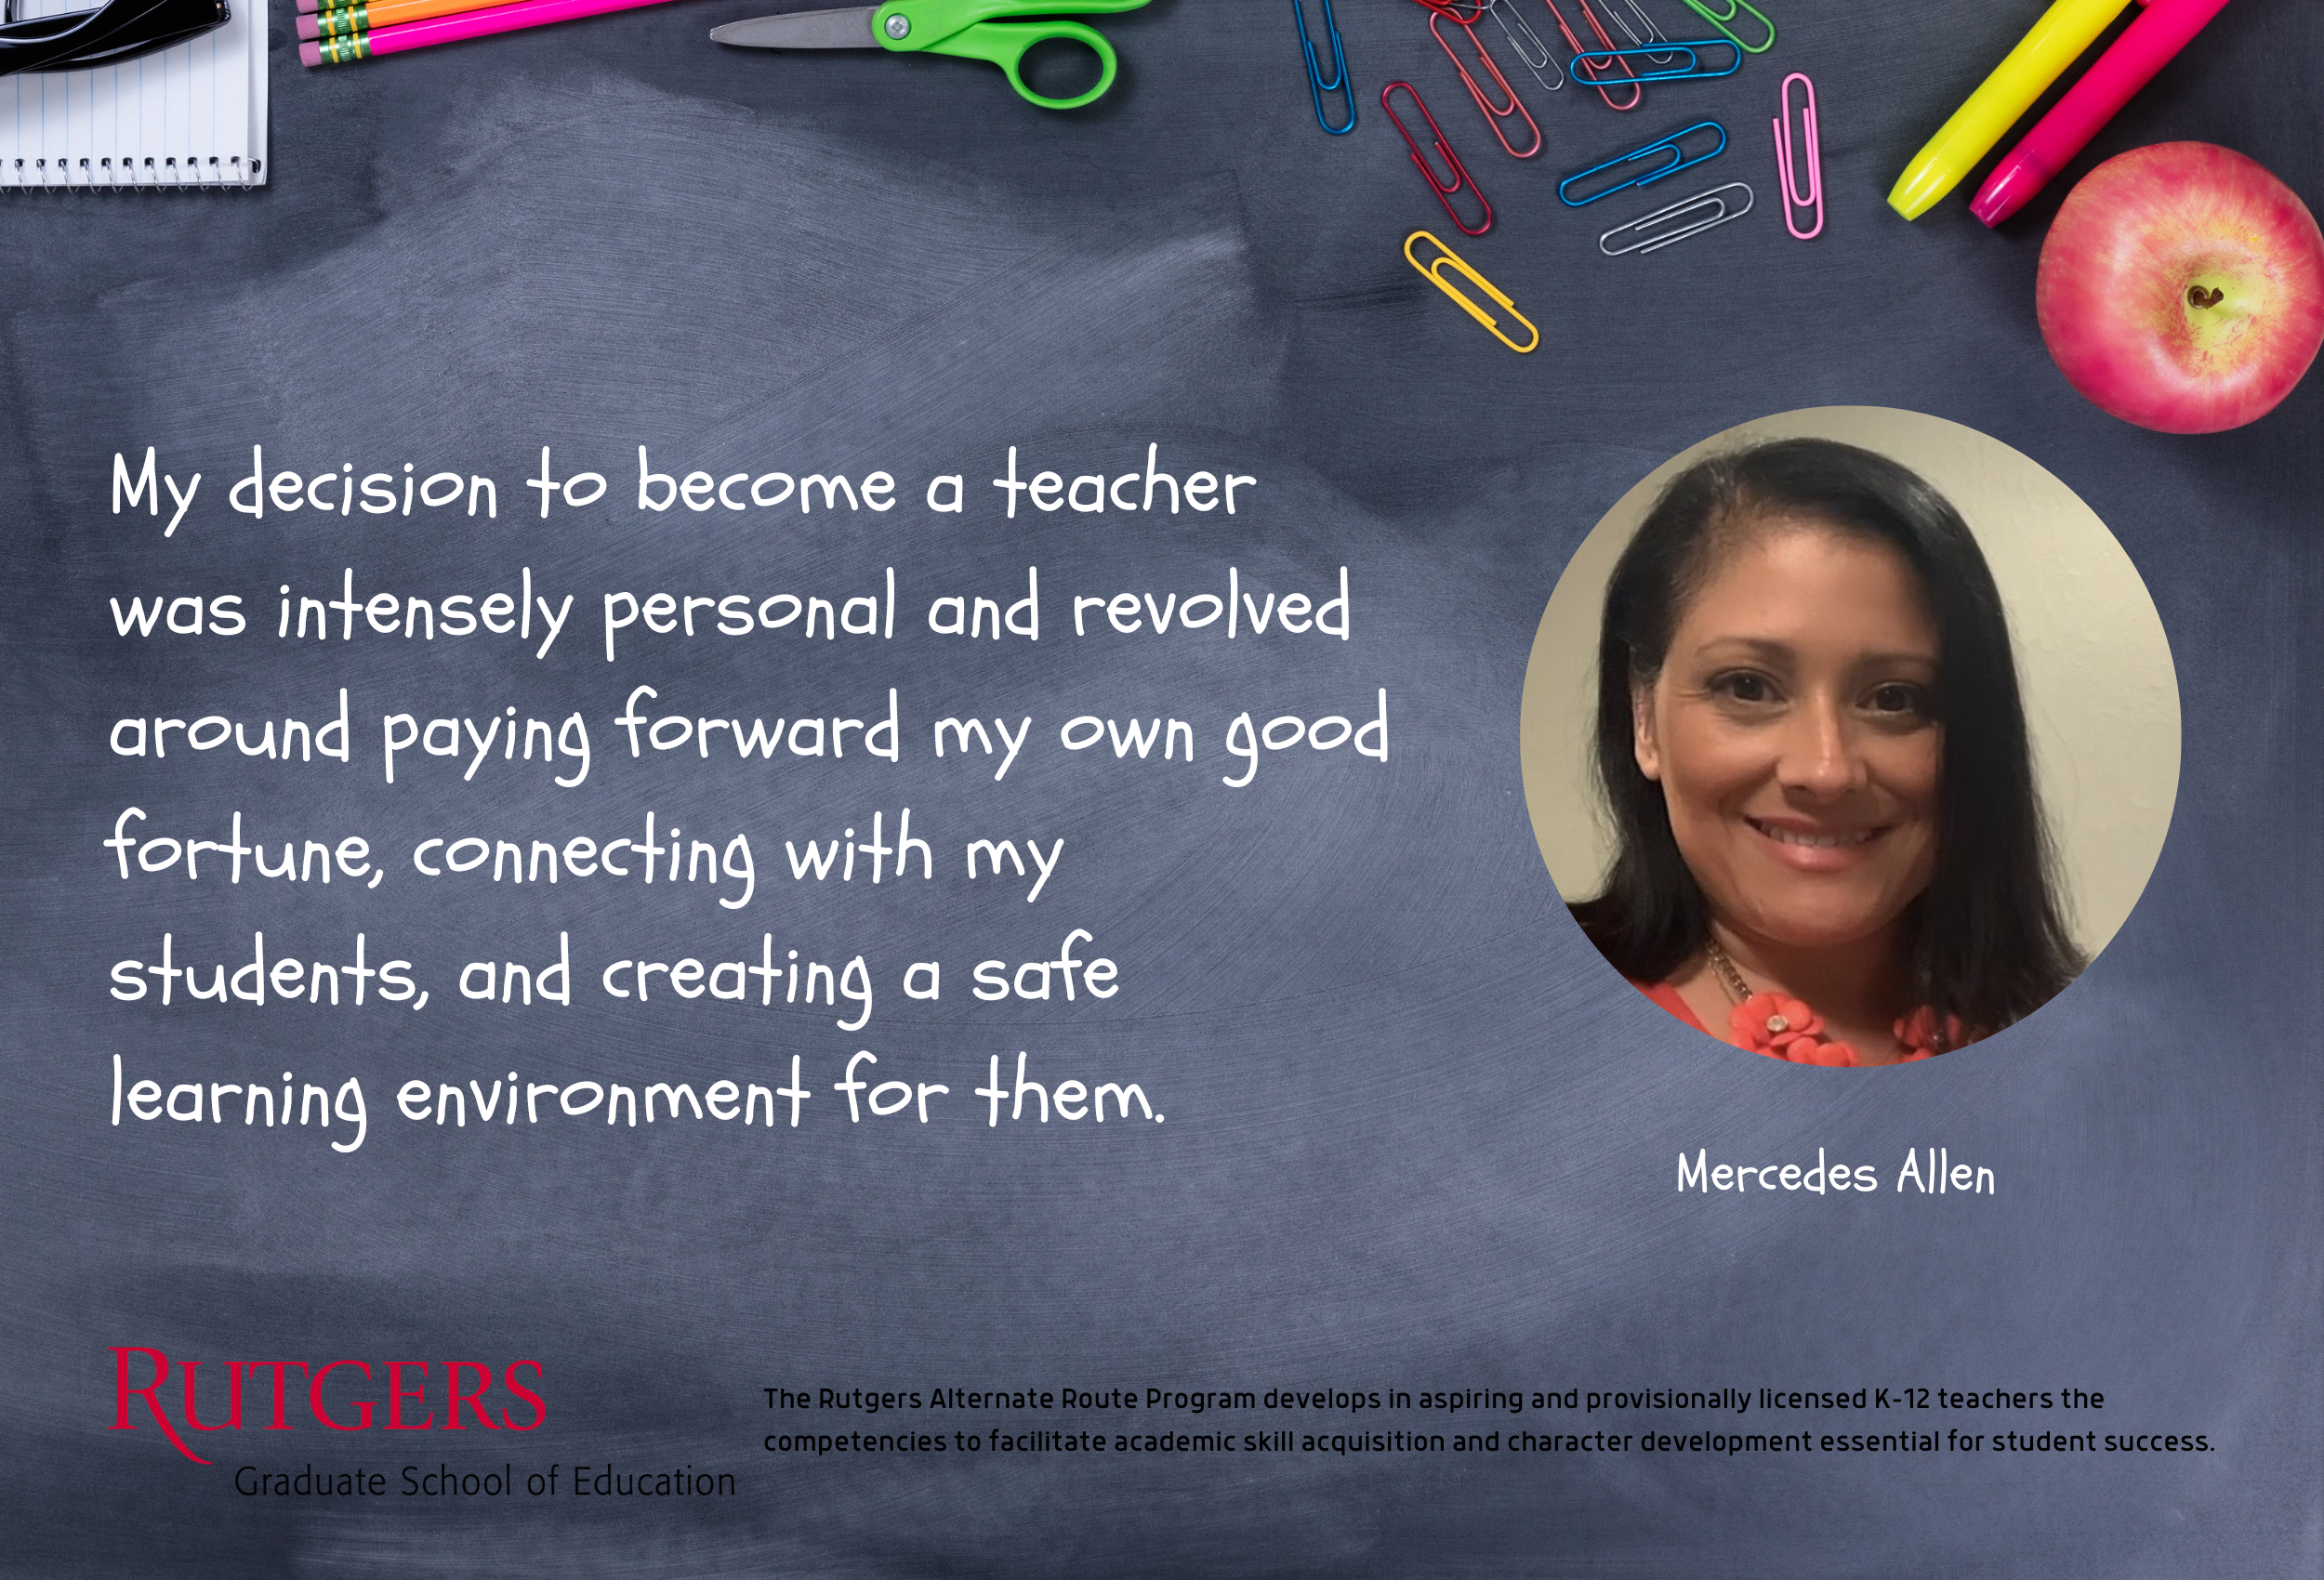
column 1664, row 996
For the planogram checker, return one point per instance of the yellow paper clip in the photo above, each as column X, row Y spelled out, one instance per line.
column 1449, row 256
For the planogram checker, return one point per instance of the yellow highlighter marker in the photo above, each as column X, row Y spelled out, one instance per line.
column 2064, row 31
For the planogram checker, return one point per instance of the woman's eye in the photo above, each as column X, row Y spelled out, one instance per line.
column 1899, row 698
column 1744, row 687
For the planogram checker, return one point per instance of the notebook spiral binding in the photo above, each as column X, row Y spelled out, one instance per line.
column 151, row 173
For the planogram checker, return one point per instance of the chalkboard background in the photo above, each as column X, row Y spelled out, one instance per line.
column 1416, row 1138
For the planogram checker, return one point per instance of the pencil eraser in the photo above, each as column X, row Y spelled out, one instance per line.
column 311, row 54
column 310, row 5
column 310, row 25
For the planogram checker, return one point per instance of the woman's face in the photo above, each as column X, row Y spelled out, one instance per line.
column 1793, row 730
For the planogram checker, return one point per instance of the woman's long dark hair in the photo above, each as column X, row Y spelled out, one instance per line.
column 1988, row 942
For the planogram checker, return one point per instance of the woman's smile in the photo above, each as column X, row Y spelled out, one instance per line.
column 1811, row 848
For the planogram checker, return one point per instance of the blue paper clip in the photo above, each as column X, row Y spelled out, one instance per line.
column 1668, row 145
column 1316, row 86
column 1690, row 68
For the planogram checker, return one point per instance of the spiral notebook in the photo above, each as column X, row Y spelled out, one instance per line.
column 190, row 116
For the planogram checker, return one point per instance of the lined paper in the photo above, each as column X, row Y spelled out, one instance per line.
column 191, row 115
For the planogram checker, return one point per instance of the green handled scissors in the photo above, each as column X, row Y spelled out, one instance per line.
column 942, row 27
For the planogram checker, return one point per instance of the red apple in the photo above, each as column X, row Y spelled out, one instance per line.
column 2182, row 288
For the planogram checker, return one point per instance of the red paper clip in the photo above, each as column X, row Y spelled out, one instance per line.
column 1510, row 105
column 1460, row 177
column 1606, row 40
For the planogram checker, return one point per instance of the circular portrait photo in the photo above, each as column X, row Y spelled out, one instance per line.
column 1850, row 737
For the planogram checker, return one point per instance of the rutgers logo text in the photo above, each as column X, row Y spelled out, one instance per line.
column 414, row 1401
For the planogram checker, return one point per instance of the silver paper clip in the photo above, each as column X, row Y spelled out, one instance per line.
column 1716, row 212
column 1653, row 34
column 1528, row 46
column 1786, row 168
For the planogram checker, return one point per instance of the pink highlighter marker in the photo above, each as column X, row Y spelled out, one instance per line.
column 2145, row 46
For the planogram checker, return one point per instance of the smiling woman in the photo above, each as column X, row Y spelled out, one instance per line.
column 1811, row 747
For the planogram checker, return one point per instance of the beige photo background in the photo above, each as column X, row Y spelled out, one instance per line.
column 2102, row 699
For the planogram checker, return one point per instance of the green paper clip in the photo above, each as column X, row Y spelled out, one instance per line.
column 1719, row 21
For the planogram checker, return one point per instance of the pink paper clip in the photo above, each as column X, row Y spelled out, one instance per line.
column 1606, row 40
column 1792, row 196
column 1460, row 177
column 1510, row 105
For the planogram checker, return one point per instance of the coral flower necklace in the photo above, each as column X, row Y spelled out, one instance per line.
column 1784, row 1027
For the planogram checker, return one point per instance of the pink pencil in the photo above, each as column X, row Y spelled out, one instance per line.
column 451, row 28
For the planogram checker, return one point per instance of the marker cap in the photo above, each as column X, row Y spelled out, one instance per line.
column 1918, row 190
column 2009, row 189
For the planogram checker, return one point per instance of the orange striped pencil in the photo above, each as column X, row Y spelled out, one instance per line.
column 344, row 22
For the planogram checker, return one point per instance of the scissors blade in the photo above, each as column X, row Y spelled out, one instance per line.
column 847, row 29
